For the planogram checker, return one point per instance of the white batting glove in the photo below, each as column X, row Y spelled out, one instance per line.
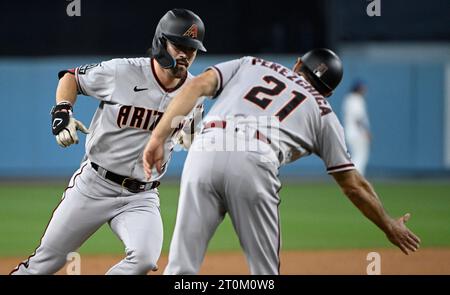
column 68, row 135
column 185, row 139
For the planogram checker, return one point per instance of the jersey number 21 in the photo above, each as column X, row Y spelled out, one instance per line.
column 263, row 101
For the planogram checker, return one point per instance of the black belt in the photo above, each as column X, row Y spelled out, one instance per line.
column 131, row 184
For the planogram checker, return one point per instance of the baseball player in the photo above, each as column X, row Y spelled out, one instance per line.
column 110, row 185
column 232, row 165
column 356, row 124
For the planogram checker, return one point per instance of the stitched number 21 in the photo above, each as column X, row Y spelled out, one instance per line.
column 263, row 102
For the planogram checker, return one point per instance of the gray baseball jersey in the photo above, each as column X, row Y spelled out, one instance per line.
column 132, row 102
column 304, row 120
column 289, row 119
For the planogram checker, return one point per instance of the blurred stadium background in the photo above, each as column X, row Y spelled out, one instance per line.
column 403, row 55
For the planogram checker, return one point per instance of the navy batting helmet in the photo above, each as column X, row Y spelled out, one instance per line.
column 180, row 27
column 323, row 69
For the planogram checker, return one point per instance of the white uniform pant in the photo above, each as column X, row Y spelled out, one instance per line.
column 359, row 149
column 244, row 184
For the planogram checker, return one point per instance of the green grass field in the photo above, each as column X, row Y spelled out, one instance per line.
column 313, row 216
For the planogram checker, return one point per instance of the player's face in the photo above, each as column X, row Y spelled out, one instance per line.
column 184, row 56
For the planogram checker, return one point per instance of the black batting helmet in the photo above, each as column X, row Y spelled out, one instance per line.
column 181, row 27
column 323, row 68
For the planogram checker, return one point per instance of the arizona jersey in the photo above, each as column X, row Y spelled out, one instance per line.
column 132, row 101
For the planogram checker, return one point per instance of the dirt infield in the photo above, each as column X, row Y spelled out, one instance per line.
column 425, row 261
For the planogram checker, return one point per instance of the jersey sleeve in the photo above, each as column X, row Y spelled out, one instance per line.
column 96, row 80
column 225, row 72
column 331, row 145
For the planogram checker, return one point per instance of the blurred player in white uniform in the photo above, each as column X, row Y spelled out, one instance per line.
column 110, row 186
column 356, row 125
column 265, row 116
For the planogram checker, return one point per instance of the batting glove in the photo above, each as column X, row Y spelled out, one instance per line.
column 64, row 126
column 68, row 135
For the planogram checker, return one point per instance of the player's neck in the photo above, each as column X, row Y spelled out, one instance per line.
column 165, row 77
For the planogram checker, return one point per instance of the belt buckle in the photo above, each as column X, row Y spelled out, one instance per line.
column 132, row 189
column 125, row 180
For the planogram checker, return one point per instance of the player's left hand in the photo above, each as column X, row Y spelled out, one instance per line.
column 153, row 155
column 68, row 135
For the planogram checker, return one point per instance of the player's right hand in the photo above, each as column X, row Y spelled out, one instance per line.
column 401, row 236
column 68, row 135
column 153, row 155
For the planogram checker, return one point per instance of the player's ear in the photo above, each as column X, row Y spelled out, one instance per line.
column 297, row 65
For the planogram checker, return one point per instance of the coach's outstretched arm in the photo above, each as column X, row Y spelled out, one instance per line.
column 64, row 126
column 202, row 85
column 362, row 195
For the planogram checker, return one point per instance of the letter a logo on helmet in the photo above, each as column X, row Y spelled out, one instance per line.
column 192, row 32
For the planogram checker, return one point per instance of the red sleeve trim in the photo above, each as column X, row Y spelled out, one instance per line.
column 63, row 72
column 219, row 90
column 343, row 167
column 77, row 78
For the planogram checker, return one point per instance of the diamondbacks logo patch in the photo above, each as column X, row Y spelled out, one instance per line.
column 192, row 32
column 83, row 69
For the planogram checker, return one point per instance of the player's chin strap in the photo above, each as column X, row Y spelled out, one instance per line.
column 162, row 56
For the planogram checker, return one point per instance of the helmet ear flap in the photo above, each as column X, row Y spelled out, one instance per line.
column 160, row 53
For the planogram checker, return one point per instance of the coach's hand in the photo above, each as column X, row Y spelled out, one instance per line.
column 153, row 155
column 401, row 236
